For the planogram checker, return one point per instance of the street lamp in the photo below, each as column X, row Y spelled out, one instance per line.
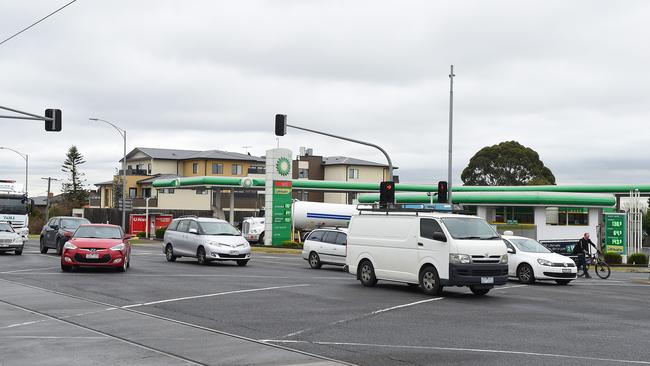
column 122, row 133
column 26, row 157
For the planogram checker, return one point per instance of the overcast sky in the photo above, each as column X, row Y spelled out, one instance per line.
column 567, row 78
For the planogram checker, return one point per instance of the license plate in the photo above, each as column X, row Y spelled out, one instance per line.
column 487, row 279
column 92, row 256
column 4, row 245
column 566, row 270
column 234, row 252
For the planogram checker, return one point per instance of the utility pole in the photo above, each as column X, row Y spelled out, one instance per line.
column 47, row 205
column 451, row 130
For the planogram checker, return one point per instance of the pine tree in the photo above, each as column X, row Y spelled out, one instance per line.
column 73, row 187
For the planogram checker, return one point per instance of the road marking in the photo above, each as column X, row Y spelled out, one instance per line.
column 189, row 275
column 405, row 305
column 105, row 335
column 365, row 315
column 51, row 337
column 468, row 350
column 26, row 270
column 210, row 295
column 170, row 320
column 21, row 324
column 507, row 287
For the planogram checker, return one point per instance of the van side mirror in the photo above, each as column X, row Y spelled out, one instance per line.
column 439, row 236
column 511, row 251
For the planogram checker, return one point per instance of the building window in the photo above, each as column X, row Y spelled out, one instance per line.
column 195, row 168
column 256, row 169
column 217, row 168
column 170, row 190
column 149, row 168
column 353, row 174
column 303, row 173
column 201, row 191
column 133, row 192
column 514, row 215
column 567, row 216
column 146, row 192
column 237, row 169
column 351, row 198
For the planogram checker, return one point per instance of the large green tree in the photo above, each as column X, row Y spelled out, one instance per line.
column 506, row 164
column 73, row 187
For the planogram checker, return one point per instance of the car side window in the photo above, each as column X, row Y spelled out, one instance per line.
column 330, row 237
column 193, row 225
column 54, row 222
column 342, row 239
column 316, row 235
column 428, row 227
column 173, row 226
column 183, row 226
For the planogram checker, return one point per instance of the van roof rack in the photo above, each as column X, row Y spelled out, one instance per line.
column 412, row 207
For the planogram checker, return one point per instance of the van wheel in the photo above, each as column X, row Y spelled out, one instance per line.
column 314, row 260
column 260, row 240
column 367, row 274
column 200, row 257
column 479, row 291
column 525, row 274
column 429, row 281
column 169, row 253
column 42, row 246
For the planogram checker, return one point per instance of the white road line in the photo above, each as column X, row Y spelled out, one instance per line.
column 211, row 295
column 191, row 275
column 468, row 350
column 21, row 324
column 507, row 287
column 105, row 335
column 365, row 315
column 26, row 270
column 405, row 305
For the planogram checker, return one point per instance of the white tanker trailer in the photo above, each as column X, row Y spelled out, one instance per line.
column 307, row 216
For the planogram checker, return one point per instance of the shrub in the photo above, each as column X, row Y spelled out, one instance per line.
column 160, row 233
column 142, row 235
column 291, row 244
column 613, row 258
column 637, row 258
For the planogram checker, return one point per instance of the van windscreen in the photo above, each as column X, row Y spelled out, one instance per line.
column 469, row 228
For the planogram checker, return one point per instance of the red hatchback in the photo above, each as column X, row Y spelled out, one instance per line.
column 97, row 245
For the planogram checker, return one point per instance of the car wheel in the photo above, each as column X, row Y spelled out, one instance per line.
column 59, row 247
column 430, row 281
column 314, row 260
column 169, row 253
column 42, row 246
column 261, row 239
column 18, row 251
column 65, row 268
column 200, row 257
column 525, row 274
column 479, row 291
column 367, row 274
column 563, row 282
column 242, row 263
column 124, row 266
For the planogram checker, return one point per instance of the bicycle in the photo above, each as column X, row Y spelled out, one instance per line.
column 601, row 268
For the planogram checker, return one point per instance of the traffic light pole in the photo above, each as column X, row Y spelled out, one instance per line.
column 390, row 162
column 52, row 123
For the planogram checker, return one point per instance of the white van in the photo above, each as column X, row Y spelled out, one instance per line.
column 429, row 249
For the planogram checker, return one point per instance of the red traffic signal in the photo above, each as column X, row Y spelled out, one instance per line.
column 386, row 193
column 442, row 191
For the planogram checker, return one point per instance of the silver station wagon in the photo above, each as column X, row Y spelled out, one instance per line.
column 205, row 239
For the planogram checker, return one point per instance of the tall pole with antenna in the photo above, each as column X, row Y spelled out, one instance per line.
column 451, row 130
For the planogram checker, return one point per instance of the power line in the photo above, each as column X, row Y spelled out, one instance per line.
column 40, row 20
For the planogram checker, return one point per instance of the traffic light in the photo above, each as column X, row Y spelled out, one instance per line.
column 55, row 124
column 386, row 194
column 442, row 191
column 280, row 124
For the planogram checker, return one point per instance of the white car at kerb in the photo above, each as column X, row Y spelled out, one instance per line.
column 529, row 261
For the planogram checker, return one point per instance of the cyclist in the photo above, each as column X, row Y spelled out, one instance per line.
column 581, row 249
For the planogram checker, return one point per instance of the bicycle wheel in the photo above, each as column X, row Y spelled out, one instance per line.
column 602, row 270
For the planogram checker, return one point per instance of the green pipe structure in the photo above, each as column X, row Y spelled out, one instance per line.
column 508, row 198
column 322, row 185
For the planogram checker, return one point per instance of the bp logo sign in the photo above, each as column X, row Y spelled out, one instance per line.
column 283, row 166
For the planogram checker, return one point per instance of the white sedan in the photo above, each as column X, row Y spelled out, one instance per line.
column 529, row 261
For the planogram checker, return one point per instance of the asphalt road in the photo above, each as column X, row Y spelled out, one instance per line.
column 278, row 311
